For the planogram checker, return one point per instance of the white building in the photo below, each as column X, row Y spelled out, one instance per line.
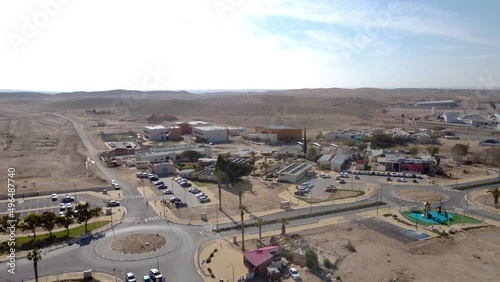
column 164, row 154
column 450, row 117
column 155, row 133
column 294, row 172
column 214, row 134
column 268, row 138
column 338, row 134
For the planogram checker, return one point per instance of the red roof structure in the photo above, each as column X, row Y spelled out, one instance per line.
column 259, row 256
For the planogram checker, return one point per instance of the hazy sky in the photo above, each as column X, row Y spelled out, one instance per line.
column 247, row 44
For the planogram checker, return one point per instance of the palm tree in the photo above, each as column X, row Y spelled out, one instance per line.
column 259, row 223
column 495, row 192
column 242, row 208
column 219, row 176
column 283, row 221
column 35, row 256
column 265, row 166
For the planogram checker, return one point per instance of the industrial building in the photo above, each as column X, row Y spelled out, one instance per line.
column 214, row 134
column 161, row 168
column 266, row 138
column 340, row 162
column 284, row 133
column 164, row 154
column 325, row 160
column 162, row 133
column 294, row 172
column 187, row 127
column 155, row 133
column 438, row 104
column 235, row 131
column 450, row 117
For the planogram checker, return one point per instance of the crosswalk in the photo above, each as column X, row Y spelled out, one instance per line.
column 145, row 220
column 133, row 197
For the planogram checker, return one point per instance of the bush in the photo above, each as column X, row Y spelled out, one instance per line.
column 209, row 260
column 350, row 247
column 215, row 250
column 209, row 270
column 311, row 259
column 327, row 263
column 212, row 275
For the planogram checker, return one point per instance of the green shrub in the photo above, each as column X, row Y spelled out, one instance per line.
column 311, row 259
column 209, row 260
column 327, row 263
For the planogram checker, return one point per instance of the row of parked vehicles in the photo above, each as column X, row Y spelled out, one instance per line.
column 386, row 173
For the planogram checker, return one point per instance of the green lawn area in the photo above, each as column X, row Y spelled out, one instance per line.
column 60, row 235
column 202, row 184
column 457, row 219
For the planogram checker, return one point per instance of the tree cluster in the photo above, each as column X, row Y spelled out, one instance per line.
column 233, row 170
column 382, row 141
column 48, row 220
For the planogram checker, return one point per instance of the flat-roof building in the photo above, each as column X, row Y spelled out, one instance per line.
column 155, row 133
column 163, row 154
column 284, row 133
column 214, row 134
column 437, row 104
column 268, row 138
column 294, row 172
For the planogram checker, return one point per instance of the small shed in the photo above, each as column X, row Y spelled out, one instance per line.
column 273, row 274
column 188, row 173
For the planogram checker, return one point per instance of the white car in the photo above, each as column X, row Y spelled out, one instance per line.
column 294, row 273
column 54, row 197
column 155, row 275
column 116, row 186
column 61, row 213
column 204, row 199
column 130, row 277
column 202, row 194
column 113, row 181
column 69, row 206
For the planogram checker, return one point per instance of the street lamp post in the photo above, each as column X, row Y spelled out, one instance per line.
column 232, row 268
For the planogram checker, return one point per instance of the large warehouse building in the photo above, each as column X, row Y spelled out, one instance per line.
column 162, row 133
column 187, row 127
column 294, row 172
column 284, row 133
column 214, row 134
column 438, row 104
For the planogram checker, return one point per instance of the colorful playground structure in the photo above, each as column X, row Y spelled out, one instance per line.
column 439, row 216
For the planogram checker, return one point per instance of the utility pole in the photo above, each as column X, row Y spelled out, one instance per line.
column 216, row 217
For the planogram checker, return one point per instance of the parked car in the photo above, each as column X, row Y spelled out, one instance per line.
column 113, row 203
column 61, row 213
column 342, row 181
column 116, row 186
column 194, row 190
column 201, row 194
column 54, row 197
column 180, row 204
column 357, row 177
column 67, row 199
column 415, row 181
column 129, row 277
column 168, row 191
column 185, row 184
column 331, row 189
column 174, row 199
column 161, row 186
column 299, row 193
column 69, row 206
column 294, row 273
column 153, row 178
column 155, row 275
column 156, row 183
column 389, row 179
column 337, row 178
column 204, row 199
column 146, row 278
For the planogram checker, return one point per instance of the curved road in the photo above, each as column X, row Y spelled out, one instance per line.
column 178, row 265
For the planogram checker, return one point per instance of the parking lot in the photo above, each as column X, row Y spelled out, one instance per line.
column 320, row 184
column 121, row 145
column 42, row 204
column 182, row 193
